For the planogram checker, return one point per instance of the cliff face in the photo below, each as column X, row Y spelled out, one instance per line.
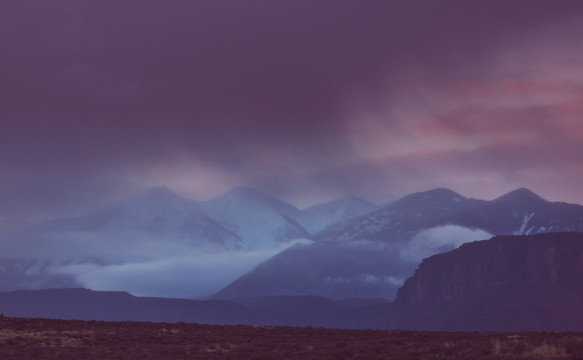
column 505, row 283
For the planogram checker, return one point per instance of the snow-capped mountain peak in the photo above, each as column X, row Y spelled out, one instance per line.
column 154, row 212
column 261, row 220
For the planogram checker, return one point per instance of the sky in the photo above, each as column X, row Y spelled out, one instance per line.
column 304, row 100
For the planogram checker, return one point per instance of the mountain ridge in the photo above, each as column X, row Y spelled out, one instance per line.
column 155, row 211
column 426, row 221
column 514, row 212
column 374, row 251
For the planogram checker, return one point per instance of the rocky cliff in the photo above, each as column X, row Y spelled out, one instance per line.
column 505, row 283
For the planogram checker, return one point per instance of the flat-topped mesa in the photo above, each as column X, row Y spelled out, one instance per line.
column 530, row 282
column 494, row 265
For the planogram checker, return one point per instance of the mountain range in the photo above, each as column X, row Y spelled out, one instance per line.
column 373, row 254
column 241, row 218
column 158, row 224
column 357, row 249
column 518, row 212
column 156, row 212
column 507, row 283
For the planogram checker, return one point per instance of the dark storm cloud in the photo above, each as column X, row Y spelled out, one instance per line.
column 102, row 96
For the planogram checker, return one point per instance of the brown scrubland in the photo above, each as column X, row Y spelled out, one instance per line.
column 22, row 338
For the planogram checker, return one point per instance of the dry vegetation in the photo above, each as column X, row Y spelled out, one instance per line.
column 60, row 339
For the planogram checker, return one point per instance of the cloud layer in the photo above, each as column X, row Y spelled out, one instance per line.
column 437, row 240
column 141, row 265
column 192, row 275
column 306, row 101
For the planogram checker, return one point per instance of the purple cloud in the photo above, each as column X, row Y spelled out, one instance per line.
column 305, row 100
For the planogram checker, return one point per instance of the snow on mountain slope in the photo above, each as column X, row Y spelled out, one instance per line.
column 400, row 219
column 156, row 244
column 518, row 212
column 156, row 212
column 522, row 212
column 318, row 217
column 261, row 221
